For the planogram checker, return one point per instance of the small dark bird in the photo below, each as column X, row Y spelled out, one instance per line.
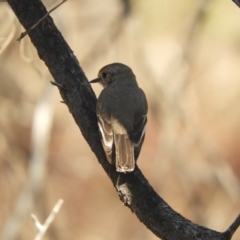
column 122, row 115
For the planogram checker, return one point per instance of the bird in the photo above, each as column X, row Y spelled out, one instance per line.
column 122, row 115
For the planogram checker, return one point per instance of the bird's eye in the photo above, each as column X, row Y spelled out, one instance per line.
column 104, row 74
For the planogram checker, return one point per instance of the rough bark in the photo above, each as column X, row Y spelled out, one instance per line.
column 133, row 188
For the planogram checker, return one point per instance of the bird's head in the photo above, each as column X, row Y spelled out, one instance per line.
column 113, row 72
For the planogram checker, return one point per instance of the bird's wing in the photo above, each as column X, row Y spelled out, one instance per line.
column 105, row 129
column 138, row 134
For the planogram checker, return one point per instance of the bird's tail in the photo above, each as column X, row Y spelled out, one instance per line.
column 124, row 150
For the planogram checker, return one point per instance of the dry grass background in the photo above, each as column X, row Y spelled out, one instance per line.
column 186, row 57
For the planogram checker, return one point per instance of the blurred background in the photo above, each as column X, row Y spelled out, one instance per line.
column 186, row 56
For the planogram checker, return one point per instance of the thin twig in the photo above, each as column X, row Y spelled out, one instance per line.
column 232, row 228
column 41, row 130
column 43, row 228
column 39, row 21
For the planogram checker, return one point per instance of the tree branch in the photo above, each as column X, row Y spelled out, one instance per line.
column 237, row 2
column 133, row 189
column 40, row 20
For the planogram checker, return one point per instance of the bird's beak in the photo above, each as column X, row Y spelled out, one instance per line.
column 95, row 80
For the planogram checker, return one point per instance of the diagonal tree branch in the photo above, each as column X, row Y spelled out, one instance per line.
column 133, row 189
column 40, row 20
column 237, row 2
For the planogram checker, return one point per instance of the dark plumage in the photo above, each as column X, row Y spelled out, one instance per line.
column 122, row 115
